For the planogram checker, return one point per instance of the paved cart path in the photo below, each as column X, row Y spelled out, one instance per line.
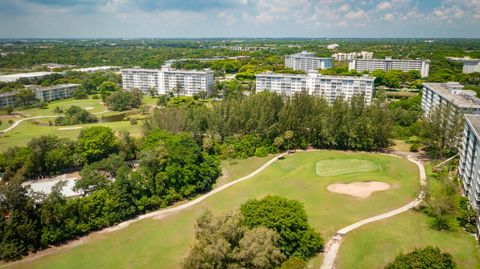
column 16, row 123
column 332, row 247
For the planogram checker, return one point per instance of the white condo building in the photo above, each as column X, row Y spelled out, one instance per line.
column 469, row 165
column 347, row 56
column 306, row 61
column 388, row 63
column 46, row 94
column 167, row 79
column 450, row 95
column 330, row 87
column 469, row 65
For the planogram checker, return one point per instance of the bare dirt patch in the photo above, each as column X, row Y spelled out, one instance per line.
column 358, row 189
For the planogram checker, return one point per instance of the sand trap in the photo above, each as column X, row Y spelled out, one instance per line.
column 358, row 189
column 69, row 128
column 89, row 108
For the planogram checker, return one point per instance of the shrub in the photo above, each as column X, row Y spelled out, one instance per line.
column 426, row 258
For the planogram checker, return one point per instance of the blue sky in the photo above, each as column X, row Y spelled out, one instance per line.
column 239, row 18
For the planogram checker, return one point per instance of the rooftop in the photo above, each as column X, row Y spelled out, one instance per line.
column 474, row 121
column 314, row 74
column 14, row 77
column 45, row 185
column 453, row 92
column 396, row 60
column 54, row 87
column 463, row 59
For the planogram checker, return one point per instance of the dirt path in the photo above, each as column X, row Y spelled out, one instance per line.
column 155, row 214
column 333, row 245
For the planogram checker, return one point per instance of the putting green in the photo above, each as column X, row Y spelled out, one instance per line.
column 336, row 167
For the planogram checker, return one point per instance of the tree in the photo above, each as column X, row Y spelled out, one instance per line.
column 96, row 143
column 25, row 97
column 297, row 238
column 106, row 88
column 288, row 135
column 124, row 100
column 426, row 258
column 75, row 115
column 224, row 242
column 230, row 152
column 80, row 93
column 9, row 109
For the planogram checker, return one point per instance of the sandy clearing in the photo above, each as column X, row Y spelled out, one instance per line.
column 358, row 189
column 69, row 128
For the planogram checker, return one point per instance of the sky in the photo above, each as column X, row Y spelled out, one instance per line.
column 239, row 18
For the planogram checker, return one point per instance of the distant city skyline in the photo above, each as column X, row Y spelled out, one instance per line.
column 239, row 18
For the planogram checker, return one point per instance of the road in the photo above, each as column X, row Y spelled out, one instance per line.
column 333, row 245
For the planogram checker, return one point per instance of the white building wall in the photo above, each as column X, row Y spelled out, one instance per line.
column 329, row 87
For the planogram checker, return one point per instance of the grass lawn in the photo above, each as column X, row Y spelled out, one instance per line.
column 235, row 169
column 5, row 118
column 374, row 246
column 24, row 132
column 164, row 242
column 92, row 105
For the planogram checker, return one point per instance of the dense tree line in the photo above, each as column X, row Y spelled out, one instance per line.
column 263, row 234
column 172, row 167
column 250, row 123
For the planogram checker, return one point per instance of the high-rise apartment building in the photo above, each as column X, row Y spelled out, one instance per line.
column 347, row 56
column 450, row 95
column 306, row 61
column 469, row 165
column 167, row 79
column 469, row 65
column 330, row 87
column 388, row 63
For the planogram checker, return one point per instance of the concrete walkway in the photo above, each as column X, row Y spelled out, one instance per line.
column 16, row 123
column 333, row 245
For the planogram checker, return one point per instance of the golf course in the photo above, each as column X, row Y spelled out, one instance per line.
column 164, row 241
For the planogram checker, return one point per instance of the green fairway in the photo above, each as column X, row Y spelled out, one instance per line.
column 24, row 132
column 327, row 168
column 374, row 246
column 92, row 105
column 164, row 242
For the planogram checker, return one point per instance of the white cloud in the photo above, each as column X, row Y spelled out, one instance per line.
column 389, row 17
column 384, row 5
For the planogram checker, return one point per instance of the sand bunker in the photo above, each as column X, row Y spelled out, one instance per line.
column 89, row 108
column 358, row 189
column 69, row 128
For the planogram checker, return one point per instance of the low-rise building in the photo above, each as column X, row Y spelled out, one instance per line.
column 329, row 87
column 450, row 95
column 55, row 92
column 7, row 99
column 306, row 61
column 46, row 94
column 167, row 79
column 388, row 64
column 469, row 165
